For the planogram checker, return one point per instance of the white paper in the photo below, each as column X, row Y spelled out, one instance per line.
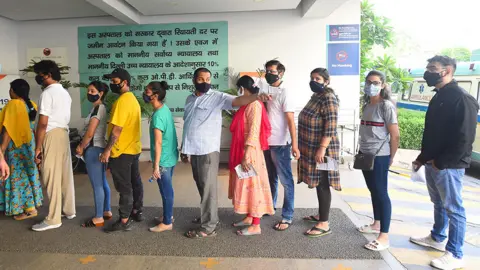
column 245, row 174
column 80, row 157
column 418, row 176
column 330, row 165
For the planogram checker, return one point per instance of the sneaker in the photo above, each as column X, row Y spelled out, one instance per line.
column 429, row 242
column 120, row 226
column 448, row 262
column 138, row 216
column 42, row 226
column 69, row 217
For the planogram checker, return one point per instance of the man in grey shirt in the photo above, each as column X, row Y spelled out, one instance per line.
column 202, row 132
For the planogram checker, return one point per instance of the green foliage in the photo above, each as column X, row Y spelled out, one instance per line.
column 460, row 54
column 398, row 78
column 411, row 124
column 375, row 30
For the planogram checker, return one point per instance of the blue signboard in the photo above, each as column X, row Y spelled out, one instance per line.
column 343, row 32
column 344, row 58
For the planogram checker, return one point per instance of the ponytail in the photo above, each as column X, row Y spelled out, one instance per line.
column 32, row 113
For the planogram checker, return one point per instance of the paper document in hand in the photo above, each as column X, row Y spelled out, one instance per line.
column 245, row 174
column 329, row 164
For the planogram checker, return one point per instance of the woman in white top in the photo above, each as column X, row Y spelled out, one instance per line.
column 92, row 145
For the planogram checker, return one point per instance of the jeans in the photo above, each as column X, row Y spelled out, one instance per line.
column 377, row 183
column 445, row 189
column 128, row 183
column 166, row 190
column 279, row 165
column 98, row 178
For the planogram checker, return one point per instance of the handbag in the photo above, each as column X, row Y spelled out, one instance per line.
column 364, row 161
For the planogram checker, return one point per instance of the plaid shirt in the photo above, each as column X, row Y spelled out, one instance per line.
column 318, row 119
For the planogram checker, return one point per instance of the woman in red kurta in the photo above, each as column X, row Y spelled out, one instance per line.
column 250, row 131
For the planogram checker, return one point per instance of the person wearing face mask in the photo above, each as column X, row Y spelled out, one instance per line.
column 450, row 129
column 20, row 194
column 163, row 149
column 201, row 144
column 379, row 135
column 283, row 141
column 91, row 146
column 123, row 151
column 317, row 138
column 250, row 131
column 53, row 145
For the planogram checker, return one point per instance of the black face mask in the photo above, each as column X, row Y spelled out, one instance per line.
column 432, row 78
column 39, row 79
column 93, row 98
column 146, row 98
column 202, row 87
column 271, row 78
column 116, row 88
column 317, row 87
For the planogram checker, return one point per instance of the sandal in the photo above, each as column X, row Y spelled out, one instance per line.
column 89, row 224
column 107, row 217
column 367, row 229
column 311, row 219
column 241, row 224
column 159, row 220
column 245, row 232
column 26, row 215
column 193, row 234
column 283, row 222
column 315, row 235
column 376, row 246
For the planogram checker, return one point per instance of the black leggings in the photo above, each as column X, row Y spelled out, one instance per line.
column 324, row 199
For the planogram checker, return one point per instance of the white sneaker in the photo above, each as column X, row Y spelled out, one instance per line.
column 69, row 217
column 448, row 262
column 429, row 242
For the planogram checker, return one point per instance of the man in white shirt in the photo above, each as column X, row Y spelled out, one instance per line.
column 283, row 140
column 53, row 145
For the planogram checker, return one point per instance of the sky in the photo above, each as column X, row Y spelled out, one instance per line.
column 435, row 24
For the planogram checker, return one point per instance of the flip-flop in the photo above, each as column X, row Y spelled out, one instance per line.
column 315, row 235
column 245, row 232
column 89, row 224
column 194, row 234
column 283, row 222
column 367, row 229
column 157, row 230
column 311, row 219
column 159, row 220
column 376, row 246
column 26, row 215
column 241, row 224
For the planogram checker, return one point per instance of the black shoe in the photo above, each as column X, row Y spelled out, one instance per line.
column 120, row 226
column 138, row 216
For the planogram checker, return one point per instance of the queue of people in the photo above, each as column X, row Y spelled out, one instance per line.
column 264, row 138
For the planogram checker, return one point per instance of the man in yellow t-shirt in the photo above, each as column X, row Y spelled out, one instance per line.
column 123, row 150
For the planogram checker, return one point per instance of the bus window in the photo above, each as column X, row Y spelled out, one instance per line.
column 421, row 92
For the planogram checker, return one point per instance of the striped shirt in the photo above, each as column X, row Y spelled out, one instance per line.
column 202, row 129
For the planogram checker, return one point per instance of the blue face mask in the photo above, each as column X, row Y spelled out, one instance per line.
column 372, row 90
column 146, row 98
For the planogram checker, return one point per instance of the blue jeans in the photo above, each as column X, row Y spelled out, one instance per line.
column 166, row 190
column 377, row 183
column 98, row 178
column 445, row 189
column 279, row 165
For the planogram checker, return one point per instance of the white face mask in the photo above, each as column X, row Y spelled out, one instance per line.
column 372, row 90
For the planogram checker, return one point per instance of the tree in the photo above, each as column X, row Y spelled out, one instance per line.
column 375, row 30
column 460, row 54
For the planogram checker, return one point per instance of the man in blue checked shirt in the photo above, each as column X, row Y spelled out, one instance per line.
column 202, row 131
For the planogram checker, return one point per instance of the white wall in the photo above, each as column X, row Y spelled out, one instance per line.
column 254, row 38
column 8, row 47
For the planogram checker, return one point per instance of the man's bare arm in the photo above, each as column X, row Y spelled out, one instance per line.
column 116, row 131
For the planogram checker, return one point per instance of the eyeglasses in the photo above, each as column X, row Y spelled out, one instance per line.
column 376, row 83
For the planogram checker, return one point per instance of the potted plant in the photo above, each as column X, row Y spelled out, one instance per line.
column 64, row 70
